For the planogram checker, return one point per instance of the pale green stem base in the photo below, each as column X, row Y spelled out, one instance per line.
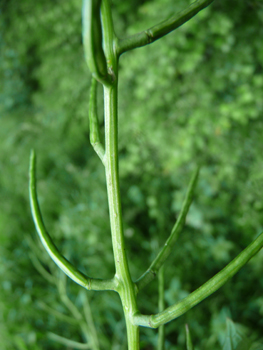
column 125, row 287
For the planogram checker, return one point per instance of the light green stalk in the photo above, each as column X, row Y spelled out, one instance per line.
column 67, row 342
column 165, row 27
column 161, row 307
column 204, row 291
column 126, row 287
column 189, row 344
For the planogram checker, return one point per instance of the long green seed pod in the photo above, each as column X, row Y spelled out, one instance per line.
column 69, row 269
column 166, row 250
column 202, row 292
column 46, row 240
column 94, row 123
column 92, row 40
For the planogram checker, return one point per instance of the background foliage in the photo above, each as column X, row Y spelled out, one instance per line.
column 195, row 95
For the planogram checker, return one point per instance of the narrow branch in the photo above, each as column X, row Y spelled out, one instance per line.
column 74, row 310
column 90, row 322
column 94, row 124
column 202, row 292
column 59, row 259
column 161, row 307
column 40, row 268
column 68, row 342
column 57, row 314
column 151, row 272
column 163, row 28
column 34, row 257
column 61, row 285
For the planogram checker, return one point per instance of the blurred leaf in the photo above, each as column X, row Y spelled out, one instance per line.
column 189, row 345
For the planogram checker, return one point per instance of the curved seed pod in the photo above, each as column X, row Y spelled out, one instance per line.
column 66, row 266
column 94, row 124
column 92, row 40
column 46, row 240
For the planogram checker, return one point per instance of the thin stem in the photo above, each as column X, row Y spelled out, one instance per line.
column 68, row 342
column 69, row 269
column 151, row 272
column 87, row 333
column 60, row 315
column 161, row 307
column 202, row 292
column 165, row 27
column 90, row 322
column 94, row 124
column 65, row 299
column 40, row 268
column 126, row 287
column 34, row 257
column 189, row 344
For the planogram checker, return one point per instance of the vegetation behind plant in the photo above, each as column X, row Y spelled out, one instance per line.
column 195, row 95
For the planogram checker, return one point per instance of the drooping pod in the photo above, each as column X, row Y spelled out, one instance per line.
column 92, row 40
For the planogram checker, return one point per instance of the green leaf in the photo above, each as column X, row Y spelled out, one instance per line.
column 233, row 336
column 245, row 344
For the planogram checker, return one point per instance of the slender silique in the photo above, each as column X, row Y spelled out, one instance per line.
column 102, row 52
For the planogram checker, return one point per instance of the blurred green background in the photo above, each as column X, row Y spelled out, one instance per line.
column 195, row 95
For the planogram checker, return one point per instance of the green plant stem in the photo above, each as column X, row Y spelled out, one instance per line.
column 165, row 27
column 34, row 256
column 40, row 268
column 151, row 272
column 89, row 321
column 204, row 291
column 126, row 288
column 68, row 342
column 61, row 285
column 189, row 344
column 161, row 307
column 57, row 314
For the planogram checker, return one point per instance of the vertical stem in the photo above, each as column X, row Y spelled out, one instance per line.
column 126, row 288
column 161, row 306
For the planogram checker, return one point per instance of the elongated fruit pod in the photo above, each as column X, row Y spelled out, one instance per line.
column 92, row 40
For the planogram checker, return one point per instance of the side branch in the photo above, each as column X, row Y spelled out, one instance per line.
column 202, row 292
column 165, row 27
column 69, row 269
column 68, row 342
column 94, row 124
column 151, row 272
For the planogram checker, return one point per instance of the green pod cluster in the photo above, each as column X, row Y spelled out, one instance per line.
column 92, row 40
